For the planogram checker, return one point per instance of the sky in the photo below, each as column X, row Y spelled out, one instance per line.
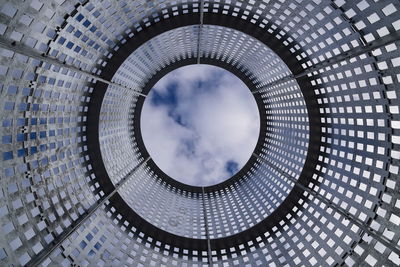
column 200, row 124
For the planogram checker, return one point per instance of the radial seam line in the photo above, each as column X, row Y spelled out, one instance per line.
column 206, row 227
column 386, row 40
column 32, row 53
column 329, row 203
column 61, row 238
column 200, row 31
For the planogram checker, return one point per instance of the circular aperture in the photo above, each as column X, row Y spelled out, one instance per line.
column 152, row 198
column 200, row 124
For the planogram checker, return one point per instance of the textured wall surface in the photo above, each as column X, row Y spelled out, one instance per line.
column 78, row 188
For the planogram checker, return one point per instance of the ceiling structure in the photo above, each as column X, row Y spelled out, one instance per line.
column 79, row 187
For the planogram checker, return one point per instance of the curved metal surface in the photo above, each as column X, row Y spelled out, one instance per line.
column 57, row 60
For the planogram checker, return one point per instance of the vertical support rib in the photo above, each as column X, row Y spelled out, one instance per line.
column 343, row 212
column 358, row 51
column 70, row 230
column 350, row 22
column 206, row 226
column 200, row 30
column 32, row 53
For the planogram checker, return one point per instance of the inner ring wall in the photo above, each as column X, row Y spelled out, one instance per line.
column 260, row 187
column 253, row 196
column 130, row 215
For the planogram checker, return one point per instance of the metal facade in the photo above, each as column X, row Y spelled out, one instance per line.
column 322, row 187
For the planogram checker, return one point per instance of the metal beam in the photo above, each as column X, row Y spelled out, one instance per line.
column 366, row 228
column 45, row 253
column 386, row 40
column 200, row 30
column 206, row 226
column 351, row 23
column 25, row 50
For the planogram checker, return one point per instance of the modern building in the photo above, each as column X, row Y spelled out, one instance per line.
column 322, row 187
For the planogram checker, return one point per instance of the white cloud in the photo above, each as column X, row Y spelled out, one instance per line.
column 221, row 124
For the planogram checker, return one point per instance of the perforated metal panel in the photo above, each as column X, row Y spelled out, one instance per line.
column 79, row 188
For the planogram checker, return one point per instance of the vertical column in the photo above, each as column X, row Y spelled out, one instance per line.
column 366, row 228
column 200, row 30
column 36, row 261
column 32, row 53
column 206, row 226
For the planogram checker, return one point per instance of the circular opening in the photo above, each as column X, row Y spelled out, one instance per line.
column 200, row 124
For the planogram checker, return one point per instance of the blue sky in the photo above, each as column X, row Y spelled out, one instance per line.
column 200, row 124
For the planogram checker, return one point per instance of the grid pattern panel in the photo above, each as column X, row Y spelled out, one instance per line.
column 117, row 149
column 167, row 207
column 47, row 180
column 106, row 240
column 44, row 177
column 286, row 138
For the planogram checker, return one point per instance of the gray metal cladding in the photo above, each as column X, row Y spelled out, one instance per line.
column 78, row 187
